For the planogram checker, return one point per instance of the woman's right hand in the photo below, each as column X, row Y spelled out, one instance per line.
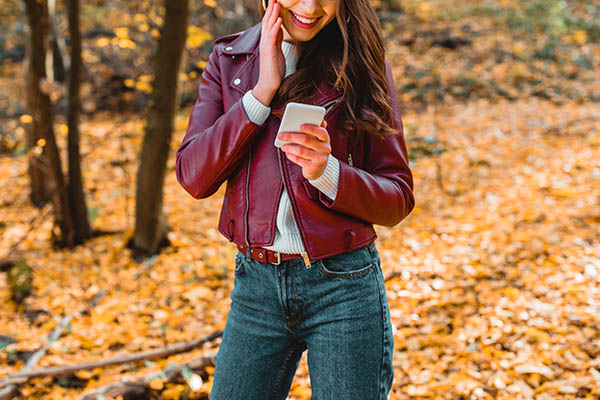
column 272, row 61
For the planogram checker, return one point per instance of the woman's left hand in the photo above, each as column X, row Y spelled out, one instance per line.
column 309, row 148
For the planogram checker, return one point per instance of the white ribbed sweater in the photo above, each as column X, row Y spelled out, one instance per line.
column 287, row 235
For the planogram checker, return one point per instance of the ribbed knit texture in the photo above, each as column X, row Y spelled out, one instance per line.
column 257, row 112
column 287, row 235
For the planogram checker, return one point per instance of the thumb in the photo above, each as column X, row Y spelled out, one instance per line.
column 324, row 124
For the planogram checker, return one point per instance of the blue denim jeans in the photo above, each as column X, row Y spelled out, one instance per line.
column 337, row 309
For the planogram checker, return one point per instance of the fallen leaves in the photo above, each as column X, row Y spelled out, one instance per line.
column 519, row 269
column 498, row 265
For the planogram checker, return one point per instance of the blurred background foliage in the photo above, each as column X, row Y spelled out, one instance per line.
column 499, row 103
column 442, row 51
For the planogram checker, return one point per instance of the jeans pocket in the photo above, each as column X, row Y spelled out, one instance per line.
column 349, row 265
column 239, row 263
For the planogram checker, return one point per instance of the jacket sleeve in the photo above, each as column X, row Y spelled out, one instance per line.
column 382, row 192
column 215, row 141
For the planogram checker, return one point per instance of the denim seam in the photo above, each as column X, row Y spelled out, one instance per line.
column 353, row 274
column 283, row 369
column 382, row 322
column 279, row 289
column 295, row 297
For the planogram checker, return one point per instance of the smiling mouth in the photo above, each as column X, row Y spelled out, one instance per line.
column 306, row 21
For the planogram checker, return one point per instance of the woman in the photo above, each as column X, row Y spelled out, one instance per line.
column 307, row 273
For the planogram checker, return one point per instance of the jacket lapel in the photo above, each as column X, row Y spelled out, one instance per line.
column 245, row 45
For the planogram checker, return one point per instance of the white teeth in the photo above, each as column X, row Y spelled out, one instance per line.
column 304, row 20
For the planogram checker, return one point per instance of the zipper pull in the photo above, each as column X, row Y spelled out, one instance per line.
column 306, row 260
column 349, row 158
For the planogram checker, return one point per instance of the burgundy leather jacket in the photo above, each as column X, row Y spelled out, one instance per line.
column 222, row 144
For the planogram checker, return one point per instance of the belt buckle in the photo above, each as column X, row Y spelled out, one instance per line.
column 278, row 258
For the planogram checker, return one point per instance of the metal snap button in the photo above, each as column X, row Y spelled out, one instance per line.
column 237, row 81
column 260, row 255
column 228, row 48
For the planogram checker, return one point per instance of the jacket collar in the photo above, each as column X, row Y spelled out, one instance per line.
column 246, row 41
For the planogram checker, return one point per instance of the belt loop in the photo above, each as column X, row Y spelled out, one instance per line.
column 248, row 251
column 372, row 249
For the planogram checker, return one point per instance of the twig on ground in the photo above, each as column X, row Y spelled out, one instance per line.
column 10, row 391
column 126, row 388
column 163, row 352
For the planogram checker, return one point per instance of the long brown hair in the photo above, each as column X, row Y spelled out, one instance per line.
column 350, row 56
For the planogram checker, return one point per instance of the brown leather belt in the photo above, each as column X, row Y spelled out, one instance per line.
column 268, row 256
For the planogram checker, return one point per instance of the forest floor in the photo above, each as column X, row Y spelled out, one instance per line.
column 498, row 285
column 499, row 261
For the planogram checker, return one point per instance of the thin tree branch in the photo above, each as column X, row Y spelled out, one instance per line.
column 10, row 391
column 126, row 388
column 163, row 352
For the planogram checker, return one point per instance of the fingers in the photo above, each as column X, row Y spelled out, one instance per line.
column 311, row 169
column 307, row 141
column 317, row 131
column 270, row 16
column 307, row 130
column 265, row 17
column 275, row 29
column 302, row 151
column 303, row 162
column 271, row 25
column 273, row 15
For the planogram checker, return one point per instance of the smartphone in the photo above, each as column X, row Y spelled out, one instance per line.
column 296, row 114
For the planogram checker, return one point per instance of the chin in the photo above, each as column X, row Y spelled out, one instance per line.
column 302, row 36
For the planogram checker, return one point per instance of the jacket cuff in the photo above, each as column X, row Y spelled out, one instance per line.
column 257, row 111
column 329, row 179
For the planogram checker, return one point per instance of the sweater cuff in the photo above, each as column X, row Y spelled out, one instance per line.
column 257, row 111
column 329, row 179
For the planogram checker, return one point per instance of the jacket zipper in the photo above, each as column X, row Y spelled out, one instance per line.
column 331, row 104
column 247, row 198
column 303, row 254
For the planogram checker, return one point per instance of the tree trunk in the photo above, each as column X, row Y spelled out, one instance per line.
column 39, row 173
column 57, row 49
column 37, row 169
column 150, row 223
column 37, row 14
column 75, row 186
